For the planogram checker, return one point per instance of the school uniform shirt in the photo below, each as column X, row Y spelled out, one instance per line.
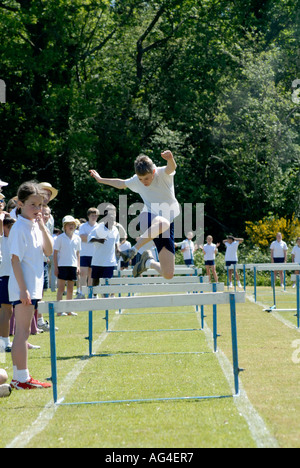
column 67, row 249
column 105, row 254
column 26, row 242
column 278, row 249
column 209, row 250
column 231, row 251
column 5, row 265
column 159, row 198
column 296, row 252
column 190, row 246
column 87, row 249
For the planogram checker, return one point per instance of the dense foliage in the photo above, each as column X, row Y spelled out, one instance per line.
column 92, row 83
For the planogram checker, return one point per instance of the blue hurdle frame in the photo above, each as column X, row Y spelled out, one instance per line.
column 236, row 368
column 274, row 307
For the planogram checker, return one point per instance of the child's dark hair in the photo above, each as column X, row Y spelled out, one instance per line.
column 8, row 221
column 26, row 190
column 143, row 165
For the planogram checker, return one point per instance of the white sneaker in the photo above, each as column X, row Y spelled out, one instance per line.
column 5, row 391
column 239, row 285
column 231, row 285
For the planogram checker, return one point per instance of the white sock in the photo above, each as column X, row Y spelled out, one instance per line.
column 6, row 341
column 149, row 263
column 22, row 375
column 40, row 321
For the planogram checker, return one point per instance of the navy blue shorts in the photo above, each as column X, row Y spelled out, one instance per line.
column 279, row 260
column 4, row 297
column 86, row 262
column 102, row 272
column 166, row 239
column 34, row 302
column 189, row 262
column 230, row 263
column 209, row 262
column 67, row 273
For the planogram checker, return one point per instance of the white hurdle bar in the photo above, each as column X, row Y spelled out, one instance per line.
column 154, row 288
column 179, row 270
column 178, row 300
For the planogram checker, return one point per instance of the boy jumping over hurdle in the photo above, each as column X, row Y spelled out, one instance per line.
column 155, row 185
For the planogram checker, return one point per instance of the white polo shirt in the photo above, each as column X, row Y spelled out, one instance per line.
column 231, row 251
column 105, row 254
column 26, row 242
column 67, row 249
column 87, row 249
column 296, row 252
column 278, row 249
column 159, row 198
column 190, row 246
column 209, row 250
column 5, row 266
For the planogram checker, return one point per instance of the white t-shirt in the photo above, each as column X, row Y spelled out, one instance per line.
column 87, row 249
column 209, row 252
column 278, row 249
column 67, row 249
column 231, row 251
column 159, row 198
column 5, row 266
column 105, row 254
column 296, row 252
column 190, row 246
column 26, row 242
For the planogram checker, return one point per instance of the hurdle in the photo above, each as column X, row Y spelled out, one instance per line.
column 179, row 270
column 178, row 300
column 186, row 287
column 295, row 278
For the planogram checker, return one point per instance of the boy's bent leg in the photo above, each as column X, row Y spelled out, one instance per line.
column 167, row 263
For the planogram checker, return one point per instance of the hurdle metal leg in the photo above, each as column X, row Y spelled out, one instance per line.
column 298, row 300
column 235, row 358
column 53, row 351
column 215, row 322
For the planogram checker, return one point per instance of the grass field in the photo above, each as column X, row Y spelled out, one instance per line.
column 164, row 364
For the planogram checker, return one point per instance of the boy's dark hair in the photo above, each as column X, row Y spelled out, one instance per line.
column 230, row 238
column 143, row 165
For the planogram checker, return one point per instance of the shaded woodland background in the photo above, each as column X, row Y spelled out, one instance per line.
column 91, row 84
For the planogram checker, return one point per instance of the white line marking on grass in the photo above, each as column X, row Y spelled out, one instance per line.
column 256, row 424
column 49, row 411
column 275, row 314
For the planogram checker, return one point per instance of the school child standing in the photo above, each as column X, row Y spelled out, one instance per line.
column 188, row 249
column 210, row 250
column 66, row 258
column 87, row 250
column 155, row 185
column 6, row 309
column 231, row 258
column 105, row 238
column 296, row 256
column 279, row 251
column 29, row 240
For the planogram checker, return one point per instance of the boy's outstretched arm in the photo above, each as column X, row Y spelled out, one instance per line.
column 171, row 166
column 116, row 183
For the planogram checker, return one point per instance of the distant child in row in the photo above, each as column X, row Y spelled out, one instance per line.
column 231, row 258
column 296, row 256
column 105, row 238
column 66, row 258
column 29, row 240
column 210, row 250
column 87, row 250
column 279, row 251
